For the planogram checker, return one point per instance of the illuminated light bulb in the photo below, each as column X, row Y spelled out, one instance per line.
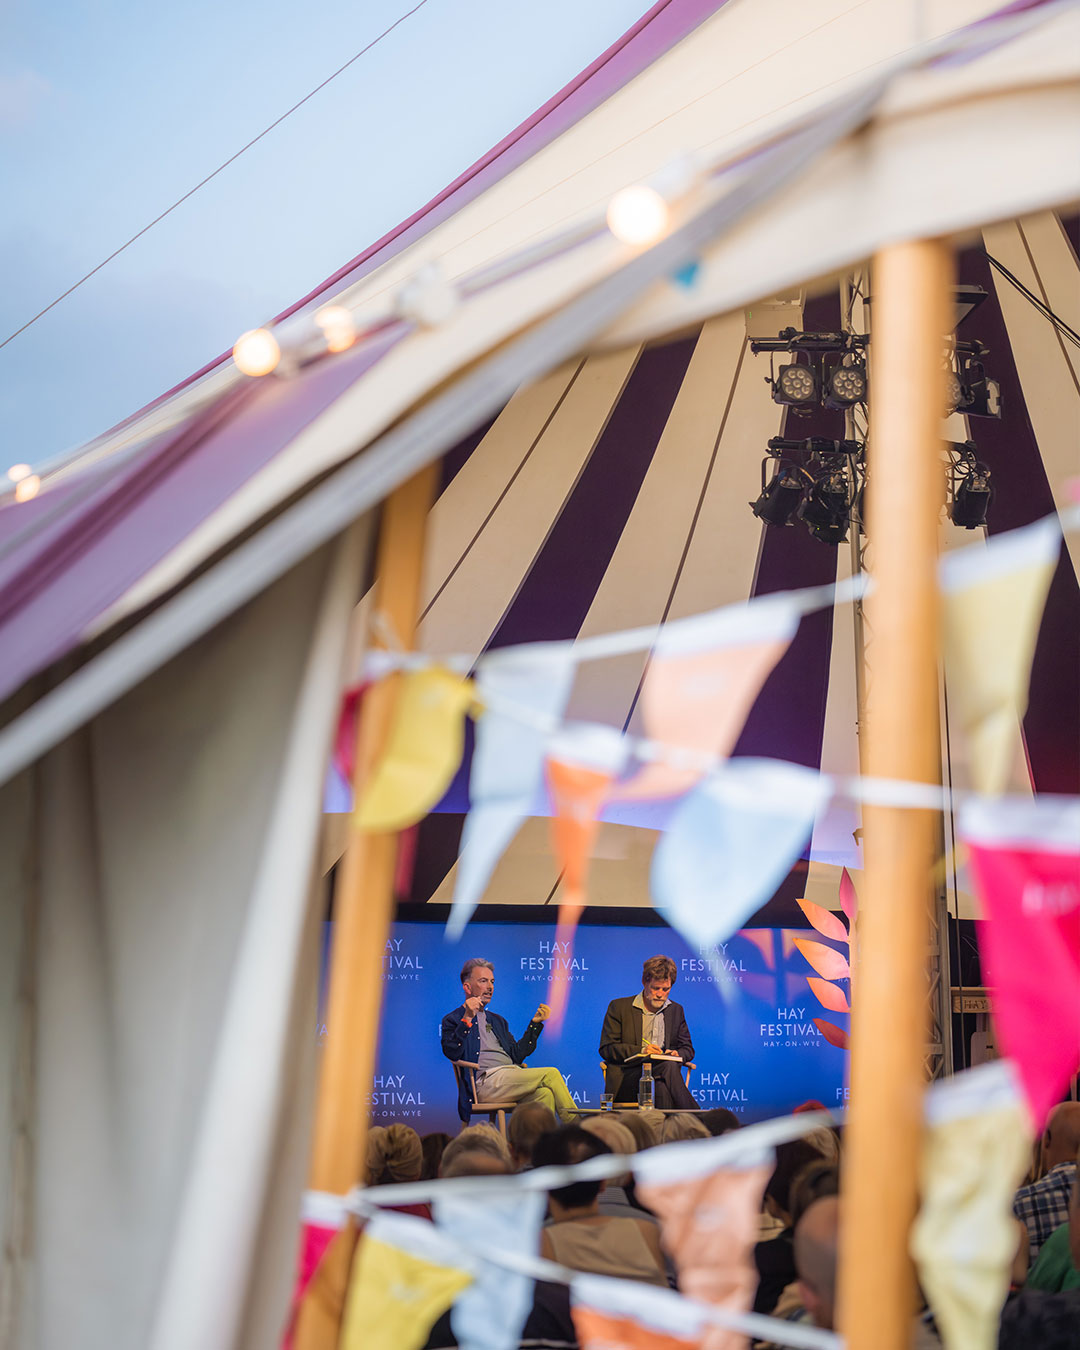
column 256, row 352
column 27, row 488
column 338, row 327
column 638, row 215
column 18, row 472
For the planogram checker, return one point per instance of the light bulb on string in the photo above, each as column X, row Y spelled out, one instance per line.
column 256, row 352
column 338, row 327
column 18, row 472
column 27, row 488
column 638, row 215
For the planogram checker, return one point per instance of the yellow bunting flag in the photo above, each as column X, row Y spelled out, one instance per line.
column 993, row 603
column 396, row 1296
column 977, row 1148
column 422, row 753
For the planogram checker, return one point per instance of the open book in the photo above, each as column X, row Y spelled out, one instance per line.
column 665, row 1054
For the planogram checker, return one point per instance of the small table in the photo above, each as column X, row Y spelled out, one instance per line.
column 633, row 1106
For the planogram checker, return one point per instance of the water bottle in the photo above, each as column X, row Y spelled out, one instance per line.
column 646, row 1088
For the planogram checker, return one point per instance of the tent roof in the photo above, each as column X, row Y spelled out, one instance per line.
column 537, row 277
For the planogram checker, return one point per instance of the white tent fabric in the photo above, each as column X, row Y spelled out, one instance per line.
column 161, row 919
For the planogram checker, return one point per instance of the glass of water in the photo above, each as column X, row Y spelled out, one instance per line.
column 607, row 1101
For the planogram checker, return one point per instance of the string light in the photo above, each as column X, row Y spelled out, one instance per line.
column 256, row 352
column 18, row 472
column 638, row 215
column 338, row 327
column 26, row 488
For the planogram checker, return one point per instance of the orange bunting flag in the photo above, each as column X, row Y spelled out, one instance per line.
column 614, row 1314
column 709, row 1216
column 701, row 683
column 581, row 767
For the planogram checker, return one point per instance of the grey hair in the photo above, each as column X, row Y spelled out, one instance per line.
column 472, row 963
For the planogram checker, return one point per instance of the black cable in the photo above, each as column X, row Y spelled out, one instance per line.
column 1043, row 308
column 232, row 158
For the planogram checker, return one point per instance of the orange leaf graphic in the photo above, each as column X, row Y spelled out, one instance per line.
column 827, row 962
column 830, row 996
column 833, row 1034
column 849, row 901
column 824, row 920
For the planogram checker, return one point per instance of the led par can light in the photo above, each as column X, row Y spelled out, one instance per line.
column 846, row 386
column 796, row 385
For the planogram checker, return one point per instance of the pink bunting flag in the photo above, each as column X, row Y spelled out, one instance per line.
column 710, row 1219
column 1025, row 858
column 323, row 1218
column 701, row 683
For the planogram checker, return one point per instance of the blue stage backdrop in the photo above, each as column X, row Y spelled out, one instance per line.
column 759, row 1054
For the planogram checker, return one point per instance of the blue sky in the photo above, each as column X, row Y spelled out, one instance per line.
column 111, row 109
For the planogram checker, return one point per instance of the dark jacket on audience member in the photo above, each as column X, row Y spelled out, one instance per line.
column 620, row 1038
column 548, row 1326
column 775, row 1261
column 462, row 1042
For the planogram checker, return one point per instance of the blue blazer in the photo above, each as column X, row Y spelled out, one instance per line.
column 462, row 1042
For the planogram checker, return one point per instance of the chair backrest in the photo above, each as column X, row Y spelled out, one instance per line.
column 459, row 1069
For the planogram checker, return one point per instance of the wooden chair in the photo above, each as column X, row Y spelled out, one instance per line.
column 491, row 1109
column 686, row 1078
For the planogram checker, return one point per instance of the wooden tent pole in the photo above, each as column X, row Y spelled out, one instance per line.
column 364, row 897
column 912, row 313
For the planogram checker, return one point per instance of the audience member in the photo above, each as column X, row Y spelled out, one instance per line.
column 682, row 1125
column 582, row 1238
column 528, row 1122
column 1044, row 1205
column 827, row 1143
column 644, row 1126
column 475, row 1162
column 1056, row 1268
column 1039, row 1318
column 816, row 1246
column 614, row 1198
column 775, row 1258
column 432, row 1145
column 476, row 1138
column 394, row 1155
column 549, row 1325
column 719, row 1120
column 811, row 1105
column 814, row 1181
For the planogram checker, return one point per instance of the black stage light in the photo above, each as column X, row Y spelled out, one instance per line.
column 972, row 498
column 779, row 501
column 982, row 397
column 846, row 386
column 797, row 385
column 826, row 509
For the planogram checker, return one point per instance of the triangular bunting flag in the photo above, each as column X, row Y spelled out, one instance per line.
column 490, row 1314
column 405, row 1276
column 422, row 753
column 508, row 760
column 702, row 680
column 993, row 602
column 1025, row 858
column 624, row 1315
column 977, row 1148
column 730, row 844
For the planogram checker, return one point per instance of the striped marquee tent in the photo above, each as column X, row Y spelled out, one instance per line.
column 178, row 603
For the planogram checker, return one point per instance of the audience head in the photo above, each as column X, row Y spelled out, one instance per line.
column 562, row 1148
column 1061, row 1138
column 810, row 1105
column 393, row 1154
column 476, row 1139
column 682, row 1125
column 527, row 1123
column 813, row 1182
column 432, row 1145
column 643, row 1125
column 826, row 1142
column 816, row 1243
column 617, row 1137
column 475, row 1162
column 719, row 1120
column 791, row 1158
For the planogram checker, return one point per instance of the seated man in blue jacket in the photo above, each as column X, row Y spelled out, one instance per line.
column 473, row 1033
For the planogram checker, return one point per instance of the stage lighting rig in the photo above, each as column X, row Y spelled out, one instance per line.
column 972, row 490
column 828, row 368
column 815, row 480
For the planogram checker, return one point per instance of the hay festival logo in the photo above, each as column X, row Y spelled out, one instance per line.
column 791, row 1027
column 399, row 963
column 712, row 964
column 717, row 1089
column 551, row 956
column 393, row 1098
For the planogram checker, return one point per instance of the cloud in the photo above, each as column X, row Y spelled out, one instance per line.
column 21, row 94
